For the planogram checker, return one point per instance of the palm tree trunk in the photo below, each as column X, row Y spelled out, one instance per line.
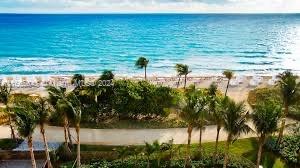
column 261, row 143
column 227, row 87
column 280, row 135
column 96, row 98
column 217, row 139
column 184, row 81
column 178, row 81
column 78, row 145
column 148, row 162
column 65, row 134
column 188, row 151
column 13, row 135
column 31, row 151
column 42, row 129
column 200, row 140
column 226, row 151
column 69, row 133
column 145, row 73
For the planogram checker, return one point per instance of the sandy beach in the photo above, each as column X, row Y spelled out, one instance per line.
column 238, row 89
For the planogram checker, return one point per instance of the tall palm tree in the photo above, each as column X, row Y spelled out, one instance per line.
column 229, row 75
column 107, row 75
column 5, row 93
column 41, row 109
column 142, row 62
column 76, row 107
column 216, row 110
column 26, row 123
column 265, row 118
column 189, row 114
column 182, row 70
column 290, row 91
column 202, row 109
column 57, row 96
column 78, row 80
column 235, row 118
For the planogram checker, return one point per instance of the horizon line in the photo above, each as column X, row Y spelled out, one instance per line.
column 74, row 13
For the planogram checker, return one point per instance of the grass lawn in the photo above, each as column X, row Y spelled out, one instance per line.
column 241, row 148
column 8, row 144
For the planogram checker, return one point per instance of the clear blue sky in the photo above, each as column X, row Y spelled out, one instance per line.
column 151, row 6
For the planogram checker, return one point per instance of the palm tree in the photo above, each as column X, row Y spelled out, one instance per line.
column 41, row 109
column 107, row 75
column 290, row 91
column 202, row 109
column 235, row 118
column 57, row 95
column 142, row 62
column 229, row 75
column 182, row 70
column 5, row 92
column 76, row 107
column 265, row 118
column 150, row 149
column 190, row 114
column 78, row 80
column 26, row 123
column 216, row 110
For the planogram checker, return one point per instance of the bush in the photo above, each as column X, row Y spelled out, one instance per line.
column 206, row 161
column 288, row 149
column 9, row 144
column 132, row 99
column 272, row 94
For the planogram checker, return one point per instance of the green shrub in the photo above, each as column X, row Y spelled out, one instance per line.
column 288, row 148
column 273, row 94
column 141, row 98
column 8, row 144
column 206, row 161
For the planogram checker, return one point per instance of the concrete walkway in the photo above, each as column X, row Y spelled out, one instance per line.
column 130, row 136
column 126, row 136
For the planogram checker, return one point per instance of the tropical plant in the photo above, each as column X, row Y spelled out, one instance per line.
column 265, row 118
column 57, row 97
column 40, row 108
column 150, row 149
column 235, row 118
column 182, row 69
column 189, row 113
column 26, row 123
column 203, row 111
column 107, row 75
column 216, row 105
column 229, row 75
column 78, row 80
column 142, row 62
column 73, row 101
column 5, row 93
column 290, row 91
column 122, row 152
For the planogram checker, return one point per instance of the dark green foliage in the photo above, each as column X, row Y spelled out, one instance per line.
column 141, row 98
column 8, row 144
column 107, row 75
column 288, row 148
column 272, row 94
column 206, row 162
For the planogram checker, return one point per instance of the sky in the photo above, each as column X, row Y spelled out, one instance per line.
column 149, row 6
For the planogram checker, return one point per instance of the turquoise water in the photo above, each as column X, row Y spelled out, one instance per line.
column 209, row 43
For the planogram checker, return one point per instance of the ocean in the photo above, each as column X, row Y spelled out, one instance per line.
column 44, row 44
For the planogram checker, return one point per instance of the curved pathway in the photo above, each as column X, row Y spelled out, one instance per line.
column 129, row 136
column 126, row 136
